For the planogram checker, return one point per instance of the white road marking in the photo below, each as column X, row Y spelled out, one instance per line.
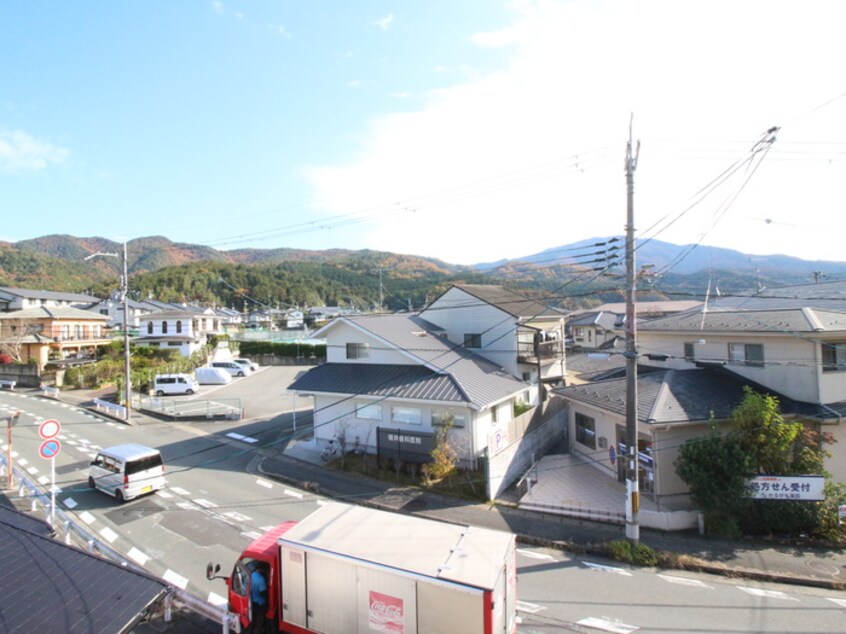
column 248, row 439
column 56, row 489
column 187, row 506
column 531, row 608
column 607, row 625
column 264, row 529
column 86, row 517
column 138, row 556
column 533, row 555
column 179, row 491
column 264, row 483
column 216, row 599
column 23, row 461
column 251, row 535
column 298, row 495
column 15, row 454
column 684, row 581
column 108, row 534
column 43, row 480
column 34, row 470
column 164, row 494
column 238, row 517
column 206, row 504
column 604, row 568
column 178, row 580
column 70, row 503
column 770, row 594
column 840, row 602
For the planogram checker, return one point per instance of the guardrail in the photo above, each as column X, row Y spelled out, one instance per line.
column 119, row 411
column 175, row 408
column 78, row 535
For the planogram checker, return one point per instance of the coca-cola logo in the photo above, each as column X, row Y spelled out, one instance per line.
column 386, row 613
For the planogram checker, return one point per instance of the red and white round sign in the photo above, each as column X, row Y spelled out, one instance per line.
column 50, row 428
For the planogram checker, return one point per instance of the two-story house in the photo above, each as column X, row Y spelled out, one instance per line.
column 113, row 309
column 41, row 334
column 392, row 379
column 186, row 330
column 519, row 334
column 788, row 342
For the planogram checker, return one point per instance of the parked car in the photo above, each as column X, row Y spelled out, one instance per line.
column 167, row 384
column 249, row 363
column 233, row 368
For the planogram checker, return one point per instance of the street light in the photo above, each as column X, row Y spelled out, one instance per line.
column 124, row 292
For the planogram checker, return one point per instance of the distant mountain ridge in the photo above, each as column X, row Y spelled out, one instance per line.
column 692, row 259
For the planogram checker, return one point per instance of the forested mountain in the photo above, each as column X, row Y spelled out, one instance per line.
column 180, row 272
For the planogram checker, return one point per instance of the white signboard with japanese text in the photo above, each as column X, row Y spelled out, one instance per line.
column 771, row 487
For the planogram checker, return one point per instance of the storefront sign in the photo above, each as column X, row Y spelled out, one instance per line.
column 403, row 444
column 497, row 441
column 769, row 487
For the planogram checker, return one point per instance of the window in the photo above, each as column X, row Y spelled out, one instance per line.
column 368, row 412
column 527, row 377
column 494, row 414
column 586, row 430
column 688, row 352
column 834, row 357
column 178, row 326
column 357, row 351
column 407, row 415
column 751, row 354
column 149, row 327
column 164, row 327
column 472, row 340
column 441, row 417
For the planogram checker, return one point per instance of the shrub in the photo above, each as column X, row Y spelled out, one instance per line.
column 642, row 555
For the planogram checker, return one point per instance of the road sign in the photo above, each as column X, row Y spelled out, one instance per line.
column 49, row 429
column 50, row 448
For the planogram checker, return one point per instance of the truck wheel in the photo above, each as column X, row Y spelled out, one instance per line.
column 119, row 496
column 90, row 482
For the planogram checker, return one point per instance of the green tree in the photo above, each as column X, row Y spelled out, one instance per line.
column 772, row 443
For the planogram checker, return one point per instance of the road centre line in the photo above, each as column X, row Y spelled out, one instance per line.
column 606, row 625
column 685, row 581
column 771, row 594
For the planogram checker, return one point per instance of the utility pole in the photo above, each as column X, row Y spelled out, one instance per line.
column 632, row 484
column 124, row 292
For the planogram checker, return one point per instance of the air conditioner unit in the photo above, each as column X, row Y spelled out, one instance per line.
column 603, row 442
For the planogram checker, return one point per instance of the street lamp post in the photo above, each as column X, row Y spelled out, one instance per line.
column 124, row 292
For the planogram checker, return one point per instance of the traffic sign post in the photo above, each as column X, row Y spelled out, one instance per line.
column 48, row 450
column 11, row 422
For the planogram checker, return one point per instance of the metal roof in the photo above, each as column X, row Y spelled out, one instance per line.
column 508, row 301
column 396, row 381
column 463, row 554
column 54, row 295
column 782, row 320
column 678, row 396
column 482, row 382
column 47, row 586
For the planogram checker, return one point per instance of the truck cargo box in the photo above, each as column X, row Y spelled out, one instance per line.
column 354, row 569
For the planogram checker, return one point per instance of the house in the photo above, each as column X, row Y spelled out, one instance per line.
column 788, row 342
column 186, row 329
column 22, row 298
column 319, row 315
column 391, row 379
column 113, row 309
column 293, row 319
column 594, row 330
column 523, row 336
column 40, row 334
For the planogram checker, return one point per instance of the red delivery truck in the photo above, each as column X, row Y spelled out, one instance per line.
column 350, row 569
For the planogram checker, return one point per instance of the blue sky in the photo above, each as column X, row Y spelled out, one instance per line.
column 468, row 130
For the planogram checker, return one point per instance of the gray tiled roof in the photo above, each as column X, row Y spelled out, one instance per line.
column 510, row 302
column 674, row 396
column 481, row 381
column 775, row 320
column 603, row 319
column 397, row 381
column 53, row 295
column 47, row 586
column 53, row 312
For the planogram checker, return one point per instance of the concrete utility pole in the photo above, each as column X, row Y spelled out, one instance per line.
column 632, row 484
column 124, row 292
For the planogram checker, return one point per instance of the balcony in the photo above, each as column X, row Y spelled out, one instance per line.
column 534, row 352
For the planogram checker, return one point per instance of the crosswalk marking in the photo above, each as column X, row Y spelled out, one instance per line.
column 108, row 534
column 138, row 556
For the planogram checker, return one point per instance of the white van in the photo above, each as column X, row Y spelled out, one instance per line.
column 233, row 368
column 127, row 471
column 166, row 384
column 212, row 376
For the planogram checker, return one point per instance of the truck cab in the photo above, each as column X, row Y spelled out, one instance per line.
column 263, row 553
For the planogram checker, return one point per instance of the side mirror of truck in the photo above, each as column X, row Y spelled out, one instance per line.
column 212, row 570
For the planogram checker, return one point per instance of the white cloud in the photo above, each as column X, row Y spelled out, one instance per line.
column 217, row 5
column 19, row 151
column 385, row 23
column 281, row 30
column 513, row 162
